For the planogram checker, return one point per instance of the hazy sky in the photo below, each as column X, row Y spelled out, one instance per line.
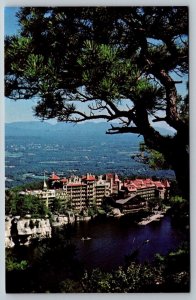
column 21, row 110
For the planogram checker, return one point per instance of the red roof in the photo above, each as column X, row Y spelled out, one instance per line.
column 148, row 181
column 64, row 180
column 139, row 183
column 158, row 184
column 133, row 185
column 89, row 178
column 166, row 183
column 109, row 176
column 130, row 188
column 54, row 176
column 150, row 184
column 76, row 184
column 145, row 183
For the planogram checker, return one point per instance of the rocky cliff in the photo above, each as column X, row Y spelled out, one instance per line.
column 21, row 231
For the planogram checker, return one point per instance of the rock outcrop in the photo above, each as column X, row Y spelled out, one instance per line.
column 8, row 239
column 20, row 231
column 115, row 212
column 59, row 220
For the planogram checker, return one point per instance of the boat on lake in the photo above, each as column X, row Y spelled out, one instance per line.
column 85, row 238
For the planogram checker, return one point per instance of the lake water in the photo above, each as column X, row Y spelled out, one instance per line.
column 112, row 239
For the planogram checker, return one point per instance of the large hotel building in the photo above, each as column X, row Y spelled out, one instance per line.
column 90, row 190
column 84, row 191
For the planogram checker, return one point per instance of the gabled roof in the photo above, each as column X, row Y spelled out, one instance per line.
column 89, row 178
column 166, row 183
column 54, row 177
column 139, row 183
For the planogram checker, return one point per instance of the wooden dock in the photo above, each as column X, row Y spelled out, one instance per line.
column 150, row 219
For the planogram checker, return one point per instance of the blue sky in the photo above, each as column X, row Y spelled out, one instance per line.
column 11, row 24
column 16, row 110
column 21, row 110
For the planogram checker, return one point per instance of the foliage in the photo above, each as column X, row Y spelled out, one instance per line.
column 153, row 158
column 169, row 273
column 177, row 200
column 93, row 207
column 51, row 263
column 91, row 211
column 13, row 265
column 36, row 185
column 21, row 205
column 107, row 63
column 157, row 160
column 97, row 282
column 175, row 268
column 180, row 211
column 57, row 206
column 70, row 286
column 152, row 203
column 101, row 211
column 179, row 204
column 54, row 268
column 171, row 261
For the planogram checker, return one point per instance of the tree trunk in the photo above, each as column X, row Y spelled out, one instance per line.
column 176, row 152
column 179, row 160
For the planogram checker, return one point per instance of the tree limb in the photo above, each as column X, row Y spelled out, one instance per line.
column 116, row 130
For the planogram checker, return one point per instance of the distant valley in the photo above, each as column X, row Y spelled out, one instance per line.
column 33, row 148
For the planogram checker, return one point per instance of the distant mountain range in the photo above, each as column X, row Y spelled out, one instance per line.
column 36, row 128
